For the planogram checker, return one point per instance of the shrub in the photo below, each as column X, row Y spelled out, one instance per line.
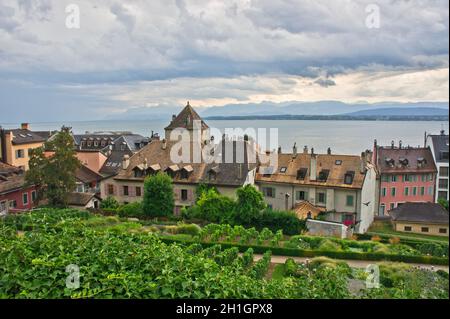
column 247, row 258
column 261, row 267
column 394, row 240
column 188, row 229
column 276, row 220
column 158, row 195
column 376, row 238
column 329, row 245
column 290, row 267
column 214, row 207
column 109, row 203
column 131, row 210
column 433, row 249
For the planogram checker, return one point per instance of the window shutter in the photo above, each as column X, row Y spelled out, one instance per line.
column 190, row 195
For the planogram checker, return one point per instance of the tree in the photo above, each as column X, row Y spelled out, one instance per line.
column 215, row 207
column 443, row 202
column 54, row 175
column 250, row 204
column 158, row 195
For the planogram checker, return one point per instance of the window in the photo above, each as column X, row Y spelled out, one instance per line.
column 3, row 206
column 338, row 162
column 13, row 204
column 414, row 192
column 110, row 189
column 301, row 173
column 425, row 230
column 442, row 230
column 138, row 191
column 381, row 210
column 269, row 192
column 283, row 170
column 385, row 178
column 430, row 177
column 443, row 171
column 25, row 198
column 393, row 178
column 430, row 190
column 184, row 174
column 96, row 143
column 322, row 198
column 349, row 200
column 20, row 153
column 89, row 144
column 442, row 194
column 392, row 206
column 323, row 175
column 33, row 196
column 184, row 194
column 406, row 178
column 408, row 228
column 422, row 191
column 406, row 191
column 393, row 191
column 383, row 192
column 443, row 183
column 348, row 178
column 125, row 191
column 301, row 195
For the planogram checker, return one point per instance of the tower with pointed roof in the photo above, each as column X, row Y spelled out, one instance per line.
column 185, row 120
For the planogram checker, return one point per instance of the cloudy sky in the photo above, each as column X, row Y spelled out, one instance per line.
column 137, row 53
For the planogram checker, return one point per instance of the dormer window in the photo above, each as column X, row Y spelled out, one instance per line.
column 153, row 169
column 348, row 177
column 186, row 171
column 283, row 170
column 323, row 175
column 390, row 161
column 301, row 173
column 172, row 170
column 212, row 173
column 403, row 161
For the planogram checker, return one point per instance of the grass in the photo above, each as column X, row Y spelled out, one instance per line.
column 385, row 228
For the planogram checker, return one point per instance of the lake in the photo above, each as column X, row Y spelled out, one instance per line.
column 344, row 137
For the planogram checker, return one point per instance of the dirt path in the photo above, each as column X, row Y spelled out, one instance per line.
column 352, row 263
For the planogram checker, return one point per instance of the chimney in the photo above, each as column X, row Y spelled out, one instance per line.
column 25, row 126
column 312, row 151
column 313, row 167
column 145, row 163
column 126, row 161
column 392, row 144
column 374, row 151
column 363, row 162
column 305, row 149
column 174, row 117
column 164, row 144
column 442, row 132
column 329, row 151
column 294, row 150
column 279, row 149
column 400, row 144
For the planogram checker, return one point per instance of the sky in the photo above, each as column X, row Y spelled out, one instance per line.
column 134, row 54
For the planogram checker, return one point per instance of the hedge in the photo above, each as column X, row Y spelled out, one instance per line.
column 293, row 252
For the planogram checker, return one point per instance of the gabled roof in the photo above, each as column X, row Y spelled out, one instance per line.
column 420, row 213
column 185, row 119
column 80, row 199
column 405, row 160
column 86, row 175
column 11, row 178
column 440, row 147
column 23, row 136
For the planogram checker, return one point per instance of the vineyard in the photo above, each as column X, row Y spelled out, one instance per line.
column 120, row 258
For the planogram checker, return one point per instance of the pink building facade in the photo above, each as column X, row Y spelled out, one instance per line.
column 406, row 174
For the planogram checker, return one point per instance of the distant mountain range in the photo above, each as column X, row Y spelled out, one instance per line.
column 295, row 108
